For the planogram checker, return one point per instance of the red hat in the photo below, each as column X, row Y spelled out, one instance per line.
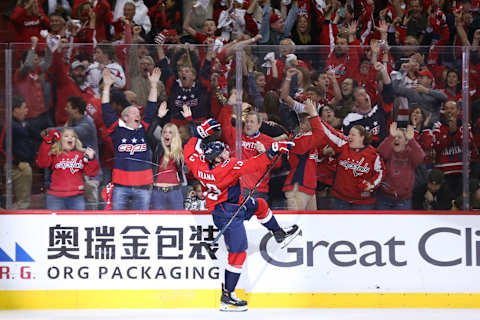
column 274, row 17
column 426, row 73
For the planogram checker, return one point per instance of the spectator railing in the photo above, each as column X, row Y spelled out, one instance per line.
column 257, row 73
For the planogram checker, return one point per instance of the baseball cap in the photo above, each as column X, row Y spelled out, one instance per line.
column 435, row 177
column 426, row 73
column 274, row 17
column 77, row 64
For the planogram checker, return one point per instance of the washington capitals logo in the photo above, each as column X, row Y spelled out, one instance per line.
column 73, row 165
column 356, row 167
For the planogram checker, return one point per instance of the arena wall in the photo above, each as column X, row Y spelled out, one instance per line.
column 67, row 260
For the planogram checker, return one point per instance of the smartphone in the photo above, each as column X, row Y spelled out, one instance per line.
column 342, row 12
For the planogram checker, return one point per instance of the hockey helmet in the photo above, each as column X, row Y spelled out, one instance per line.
column 213, row 149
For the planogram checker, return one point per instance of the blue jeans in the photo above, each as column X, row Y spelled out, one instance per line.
column 339, row 204
column 140, row 198
column 384, row 203
column 170, row 200
column 65, row 203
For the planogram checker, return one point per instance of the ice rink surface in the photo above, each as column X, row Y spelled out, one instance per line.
column 253, row 314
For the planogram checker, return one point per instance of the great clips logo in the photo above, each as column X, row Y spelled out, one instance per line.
column 11, row 269
column 464, row 246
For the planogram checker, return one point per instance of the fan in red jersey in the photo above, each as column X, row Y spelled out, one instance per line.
column 360, row 170
column 63, row 153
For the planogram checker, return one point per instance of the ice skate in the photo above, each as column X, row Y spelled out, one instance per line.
column 230, row 302
column 285, row 236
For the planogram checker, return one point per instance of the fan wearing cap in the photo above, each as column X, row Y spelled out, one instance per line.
column 434, row 195
column 421, row 93
column 273, row 27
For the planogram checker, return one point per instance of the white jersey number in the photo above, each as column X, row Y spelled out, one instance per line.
column 213, row 192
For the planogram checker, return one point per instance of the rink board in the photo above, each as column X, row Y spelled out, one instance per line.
column 66, row 260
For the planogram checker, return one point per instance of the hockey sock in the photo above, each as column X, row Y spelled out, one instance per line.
column 272, row 223
column 231, row 280
column 234, row 269
column 265, row 216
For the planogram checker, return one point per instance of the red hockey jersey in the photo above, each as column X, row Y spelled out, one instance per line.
column 355, row 167
column 448, row 148
column 68, row 169
column 222, row 183
column 303, row 160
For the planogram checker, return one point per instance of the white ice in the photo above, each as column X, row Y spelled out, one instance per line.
column 252, row 314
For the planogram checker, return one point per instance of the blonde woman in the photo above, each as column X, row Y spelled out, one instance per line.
column 64, row 155
column 169, row 176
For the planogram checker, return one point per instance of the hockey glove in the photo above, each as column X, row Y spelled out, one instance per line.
column 280, row 147
column 207, row 128
column 52, row 136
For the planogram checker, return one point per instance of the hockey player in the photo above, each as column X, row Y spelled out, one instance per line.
column 219, row 175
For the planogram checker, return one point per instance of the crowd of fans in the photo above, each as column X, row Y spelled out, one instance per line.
column 128, row 79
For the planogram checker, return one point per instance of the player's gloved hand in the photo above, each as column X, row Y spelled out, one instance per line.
column 52, row 136
column 207, row 128
column 280, row 147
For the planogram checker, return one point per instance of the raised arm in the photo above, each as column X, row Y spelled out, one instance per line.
column 186, row 23
column 108, row 114
column 265, row 26
column 290, row 21
column 151, row 108
column 285, row 89
column 387, row 92
column 336, row 88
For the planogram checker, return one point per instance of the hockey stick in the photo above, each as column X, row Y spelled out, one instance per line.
column 250, row 194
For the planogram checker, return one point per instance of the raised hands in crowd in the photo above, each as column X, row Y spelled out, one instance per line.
column 282, row 82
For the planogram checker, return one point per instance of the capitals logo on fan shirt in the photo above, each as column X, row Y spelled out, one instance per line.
column 133, row 147
column 72, row 164
column 355, row 166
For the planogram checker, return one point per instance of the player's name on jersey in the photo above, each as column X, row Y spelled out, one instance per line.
column 206, row 176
